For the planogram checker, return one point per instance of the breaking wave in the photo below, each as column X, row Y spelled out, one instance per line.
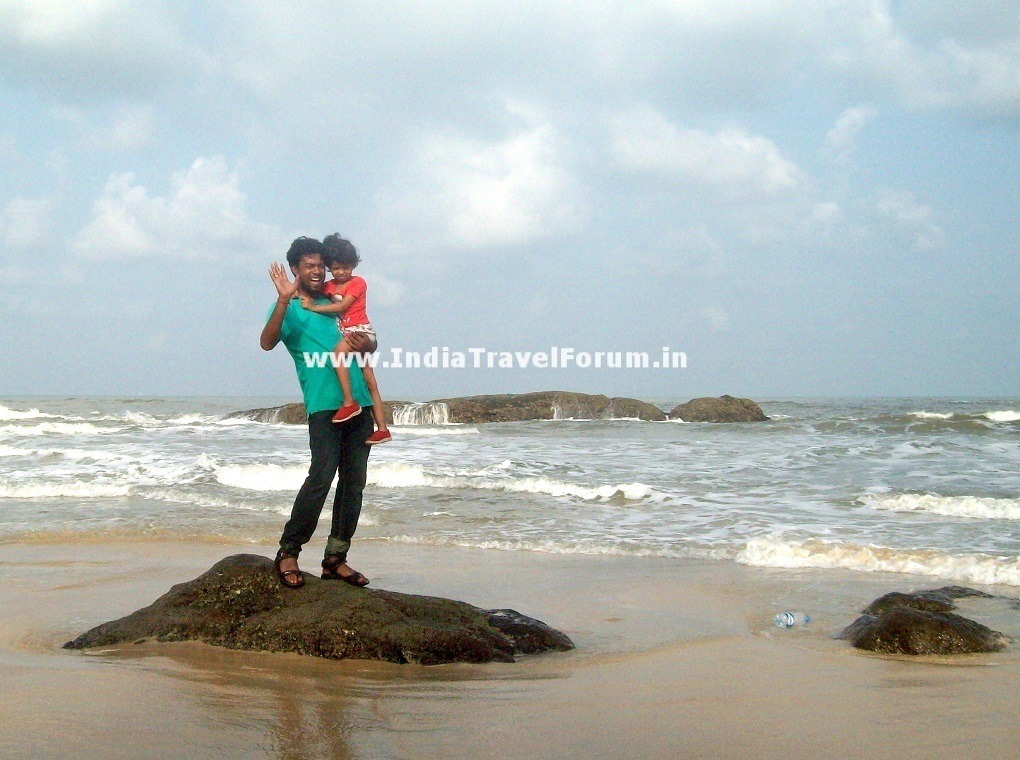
column 262, row 477
column 433, row 431
column 56, row 428
column 561, row 547
column 13, row 414
column 396, row 475
column 61, row 490
column 950, row 506
column 967, row 568
column 274, row 477
column 1003, row 416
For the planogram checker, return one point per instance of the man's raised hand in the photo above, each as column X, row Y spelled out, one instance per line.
column 284, row 287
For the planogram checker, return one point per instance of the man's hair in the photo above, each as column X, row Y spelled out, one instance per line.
column 304, row 246
column 340, row 250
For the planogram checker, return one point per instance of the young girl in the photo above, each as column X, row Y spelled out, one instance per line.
column 348, row 294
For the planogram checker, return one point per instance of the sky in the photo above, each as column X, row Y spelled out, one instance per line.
column 805, row 197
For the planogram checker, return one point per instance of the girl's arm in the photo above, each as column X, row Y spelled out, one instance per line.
column 333, row 308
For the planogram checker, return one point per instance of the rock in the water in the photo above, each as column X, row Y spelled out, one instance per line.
column 240, row 604
column 547, row 405
column 907, row 630
column 289, row 414
column 722, row 409
column 509, row 407
column 926, row 600
column 921, row 623
column 294, row 414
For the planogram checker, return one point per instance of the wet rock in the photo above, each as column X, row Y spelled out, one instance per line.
column 240, row 604
column 921, row 623
column 289, row 414
column 509, row 407
column 722, row 409
column 294, row 414
column 526, row 633
column 959, row 592
column 547, row 405
column 929, row 601
column 907, row 630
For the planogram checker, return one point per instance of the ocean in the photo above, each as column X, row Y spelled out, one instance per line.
column 925, row 487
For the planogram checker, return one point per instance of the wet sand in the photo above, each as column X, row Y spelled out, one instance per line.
column 675, row 658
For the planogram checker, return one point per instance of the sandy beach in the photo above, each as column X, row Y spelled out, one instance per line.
column 674, row 658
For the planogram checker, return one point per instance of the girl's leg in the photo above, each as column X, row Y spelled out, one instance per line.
column 342, row 373
column 373, row 389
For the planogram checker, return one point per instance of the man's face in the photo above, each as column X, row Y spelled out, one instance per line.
column 310, row 273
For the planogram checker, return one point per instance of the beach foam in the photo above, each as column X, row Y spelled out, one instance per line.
column 951, row 506
column 559, row 547
column 55, row 428
column 932, row 415
column 423, row 431
column 397, row 475
column 262, row 477
column 273, row 477
column 7, row 413
column 967, row 568
column 1003, row 416
column 61, row 490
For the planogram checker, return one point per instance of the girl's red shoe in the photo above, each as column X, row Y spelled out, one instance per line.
column 345, row 413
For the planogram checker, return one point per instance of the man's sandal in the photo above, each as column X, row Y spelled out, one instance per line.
column 331, row 572
column 289, row 578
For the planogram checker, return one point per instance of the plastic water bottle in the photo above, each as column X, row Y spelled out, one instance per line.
column 790, row 619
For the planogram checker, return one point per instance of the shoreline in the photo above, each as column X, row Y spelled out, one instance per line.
column 674, row 658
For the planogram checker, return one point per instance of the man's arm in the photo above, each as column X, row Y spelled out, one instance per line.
column 271, row 332
column 285, row 290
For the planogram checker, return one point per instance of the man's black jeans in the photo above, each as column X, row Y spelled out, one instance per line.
column 334, row 447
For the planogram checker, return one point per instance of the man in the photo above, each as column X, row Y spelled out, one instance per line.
column 334, row 446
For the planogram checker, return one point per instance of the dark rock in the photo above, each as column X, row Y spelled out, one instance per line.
column 959, row 592
column 907, row 630
column 547, row 405
column 509, row 407
column 930, row 601
column 294, row 414
column 240, row 604
column 722, row 409
column 289, row 414
column 527, row 634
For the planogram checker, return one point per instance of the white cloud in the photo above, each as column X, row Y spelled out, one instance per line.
column 131, row 128
column 472, row 193
column 742, row 164
column 692, row 252
column 204, row 217
column 915, row 219
column 25, row 222
column 841, row 140
column 124, row 128
column 929, row 54
column 81, row 48
column 826, row 212
column 717, row 317
column 385, row 291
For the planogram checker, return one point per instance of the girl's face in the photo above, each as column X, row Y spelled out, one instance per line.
column 341, row 273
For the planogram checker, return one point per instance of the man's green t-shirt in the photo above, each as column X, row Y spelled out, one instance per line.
column 310, row 338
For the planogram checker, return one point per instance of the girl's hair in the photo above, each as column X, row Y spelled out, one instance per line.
column 340, row 250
